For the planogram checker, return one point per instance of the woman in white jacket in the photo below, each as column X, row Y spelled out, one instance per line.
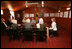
column 53, row 28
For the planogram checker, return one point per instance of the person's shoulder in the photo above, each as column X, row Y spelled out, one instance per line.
column 37, row 23
column 54, row 22
column 29, row 23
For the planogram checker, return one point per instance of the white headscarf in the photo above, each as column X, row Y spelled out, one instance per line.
column 28, row 20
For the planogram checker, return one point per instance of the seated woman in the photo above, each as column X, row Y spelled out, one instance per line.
column 53, row 28
column 28, row 25
column 27, row 31
column 14, row 32
column 3, row 26
column 33, row 22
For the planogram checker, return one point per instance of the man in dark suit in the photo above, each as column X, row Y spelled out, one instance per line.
column 3, row 26
column 9, row 23
column 14, row 30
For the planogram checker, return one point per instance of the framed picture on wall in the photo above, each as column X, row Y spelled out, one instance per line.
column 51, row 14
column 18, row 15
column 41, row 14
column 61, row 14
column 46, row 14
column 26, row 15
column 31, row 15
column 66, row 14
column 70, row 14
column 1, row 12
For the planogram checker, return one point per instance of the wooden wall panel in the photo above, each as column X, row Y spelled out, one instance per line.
column 6, row 14
column 63, row 22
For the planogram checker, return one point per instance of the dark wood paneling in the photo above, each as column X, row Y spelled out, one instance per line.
column 6, row 14
column 17, row 5
column 64, row 23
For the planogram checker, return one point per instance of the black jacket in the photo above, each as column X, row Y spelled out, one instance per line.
column 3, row 27
column 9, row 23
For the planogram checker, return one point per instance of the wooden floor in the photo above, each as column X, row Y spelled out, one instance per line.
column 62, row 41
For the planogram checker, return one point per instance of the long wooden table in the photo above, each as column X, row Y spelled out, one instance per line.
column 47, row 31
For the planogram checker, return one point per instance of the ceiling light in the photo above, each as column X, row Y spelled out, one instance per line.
column 42, row 5
column 42, row 2
column 68, row 9
column 10, row 7
column 26, row 5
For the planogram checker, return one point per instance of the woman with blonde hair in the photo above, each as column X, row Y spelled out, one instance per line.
column 53, row 28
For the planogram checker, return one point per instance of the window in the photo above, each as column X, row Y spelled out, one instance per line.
column 31, row 15
column 61, row 14
column 12, row 14
column 56, row 14
column 26, row 15
column 1, row 12
column 51, row 14
column 70, row 14
column 46, row 14
column 66, row 14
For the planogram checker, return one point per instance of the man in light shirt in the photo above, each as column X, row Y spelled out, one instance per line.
column 3, row 21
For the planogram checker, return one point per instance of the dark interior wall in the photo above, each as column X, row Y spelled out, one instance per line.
column 63, row 22
column 18, row 16
column 6, row 14
column 33, row 10
column 39, row 9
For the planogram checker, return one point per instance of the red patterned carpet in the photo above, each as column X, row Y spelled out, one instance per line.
column 62, row 41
